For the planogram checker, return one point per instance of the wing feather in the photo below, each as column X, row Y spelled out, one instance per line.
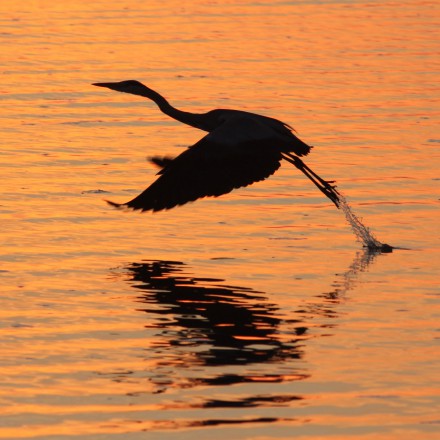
column 238, row 153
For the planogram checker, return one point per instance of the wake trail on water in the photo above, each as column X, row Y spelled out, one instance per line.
column 363, row 234
column 328, row 188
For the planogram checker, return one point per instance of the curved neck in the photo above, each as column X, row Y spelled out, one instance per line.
column 193, row 119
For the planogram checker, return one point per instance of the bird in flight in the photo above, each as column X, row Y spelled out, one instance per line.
column 240, row 148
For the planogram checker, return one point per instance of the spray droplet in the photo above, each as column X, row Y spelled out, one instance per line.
column 362, row 233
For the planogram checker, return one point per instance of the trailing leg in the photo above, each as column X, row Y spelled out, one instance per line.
column 323, row 185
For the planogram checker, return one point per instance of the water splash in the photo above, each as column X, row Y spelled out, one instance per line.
column 363, row 234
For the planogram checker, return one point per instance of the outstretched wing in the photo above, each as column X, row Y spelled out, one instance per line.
column 238, row 153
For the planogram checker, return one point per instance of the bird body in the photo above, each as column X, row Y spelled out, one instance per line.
column 240, row 148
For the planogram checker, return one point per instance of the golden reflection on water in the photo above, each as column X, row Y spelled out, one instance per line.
column 203, row 322
column 312, row 344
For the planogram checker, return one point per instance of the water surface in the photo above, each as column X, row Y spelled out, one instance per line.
column 256, row 315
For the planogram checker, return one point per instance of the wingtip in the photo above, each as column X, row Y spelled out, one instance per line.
column 125, row 206
column 114, row 204
column 160, row 161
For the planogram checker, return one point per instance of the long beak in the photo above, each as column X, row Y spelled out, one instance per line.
column 108, row 85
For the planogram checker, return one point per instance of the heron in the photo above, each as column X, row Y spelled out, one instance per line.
column 241, row 148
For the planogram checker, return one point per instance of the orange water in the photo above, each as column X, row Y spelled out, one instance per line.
column 256, row 315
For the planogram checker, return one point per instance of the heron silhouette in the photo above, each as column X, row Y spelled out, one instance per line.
column 240, row 148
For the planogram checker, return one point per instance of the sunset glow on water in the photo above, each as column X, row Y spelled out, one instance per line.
column 255, row 315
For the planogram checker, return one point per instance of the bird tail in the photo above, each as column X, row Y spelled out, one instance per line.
column 300, row 148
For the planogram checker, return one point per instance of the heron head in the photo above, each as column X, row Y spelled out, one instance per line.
column 131, row 86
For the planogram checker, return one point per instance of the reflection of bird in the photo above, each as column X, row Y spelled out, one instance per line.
column 228, row 325
column 240, row 149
